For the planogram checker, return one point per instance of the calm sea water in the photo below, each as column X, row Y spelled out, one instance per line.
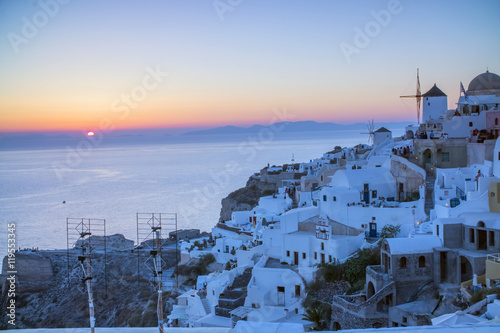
column 186, row 175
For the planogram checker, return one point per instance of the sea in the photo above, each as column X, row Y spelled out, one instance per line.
column 45, row 182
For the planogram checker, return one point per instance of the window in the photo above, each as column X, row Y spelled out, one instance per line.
column 324, row 198
column 405, row 320
column 437, row 230
column 322, row 246
column 287, row 253
column 445, row 157
column 330, row 258
column 471, row 124
column 281, row 289
column 421, row 262
column 374, row 194
column 428, row 103
column 492, row 238
column 315, row 255
column 321, row 178
column 471, row 235
column 334, row 198
column 496, row 121
column 402, row 262
column 303, row 255
column 297, row 290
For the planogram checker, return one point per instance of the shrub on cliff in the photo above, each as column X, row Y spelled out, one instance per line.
column 355, row 266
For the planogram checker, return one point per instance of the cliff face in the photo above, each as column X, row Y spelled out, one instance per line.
column 45, row 297
column 246, row 197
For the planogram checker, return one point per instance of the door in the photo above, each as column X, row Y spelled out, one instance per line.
column 373, row 230
column 366, row 194
column 296, row 258
column 401, row 192
column 443, row 263
column 281, row 296
column 322, row 258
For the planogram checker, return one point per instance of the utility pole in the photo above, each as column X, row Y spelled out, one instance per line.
column 87, row 279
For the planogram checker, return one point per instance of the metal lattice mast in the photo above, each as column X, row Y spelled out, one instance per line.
column 78, row 233
column 149, row 236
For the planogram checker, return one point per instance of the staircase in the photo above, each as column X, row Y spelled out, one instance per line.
column 234, row 296
column 429, row 192
column 206, row 305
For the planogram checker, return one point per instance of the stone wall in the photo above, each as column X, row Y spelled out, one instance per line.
column 376, row 276
column 450, row 269
column 406, row 175
column 34, row 273
column 399, row 316
column 452, row 235
column 477, row 153
column 457, row 149
column 351, row 312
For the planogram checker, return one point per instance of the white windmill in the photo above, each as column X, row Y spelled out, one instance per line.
column 371, row 131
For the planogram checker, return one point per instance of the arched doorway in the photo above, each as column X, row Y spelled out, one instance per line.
column 465, row 269
column 427, row 158
column 336, row 326
column 370, row 290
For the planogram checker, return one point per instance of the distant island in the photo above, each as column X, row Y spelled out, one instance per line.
column 159, row 133
column 297, row 126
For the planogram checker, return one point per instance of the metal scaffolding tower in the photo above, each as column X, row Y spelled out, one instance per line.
column 80, row 235
column 151, row 243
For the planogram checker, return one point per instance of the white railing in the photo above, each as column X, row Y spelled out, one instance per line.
column 493, row 257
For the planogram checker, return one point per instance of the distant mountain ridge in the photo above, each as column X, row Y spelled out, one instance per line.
column 297, row 126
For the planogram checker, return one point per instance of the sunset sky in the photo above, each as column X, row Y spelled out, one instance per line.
column 74, row 65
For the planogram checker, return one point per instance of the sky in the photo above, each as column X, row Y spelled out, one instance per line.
column 84, row 65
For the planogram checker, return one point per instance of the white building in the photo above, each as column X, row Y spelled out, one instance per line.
column 380, row 135
column 435, row 104
column 275, row 288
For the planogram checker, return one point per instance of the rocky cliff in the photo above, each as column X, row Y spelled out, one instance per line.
column 50, row 293
column 246, row 197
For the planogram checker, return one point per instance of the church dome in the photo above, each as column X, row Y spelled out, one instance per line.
column 484, row 84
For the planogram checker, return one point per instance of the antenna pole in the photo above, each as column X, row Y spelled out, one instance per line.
column 88, row 279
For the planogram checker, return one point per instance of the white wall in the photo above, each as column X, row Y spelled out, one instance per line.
column 478, row 205
column 300, row 242
column 290, row 220
column 262, row 288
column 496, row 159
column 275, row 205
column 434, row 107
column 458, row 126
column 272, row 242
column 380, row 137
column 241, row 217
column 338, row 247
column 217, row 286
column 357, row 215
